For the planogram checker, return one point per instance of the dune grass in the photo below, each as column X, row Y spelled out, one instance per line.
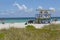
column 30, row 34
column 52, row 27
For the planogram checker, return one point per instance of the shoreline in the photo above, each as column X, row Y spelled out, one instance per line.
column 22, row 25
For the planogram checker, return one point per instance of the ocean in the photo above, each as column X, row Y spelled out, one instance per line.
column 19, row 20
column 13, row 20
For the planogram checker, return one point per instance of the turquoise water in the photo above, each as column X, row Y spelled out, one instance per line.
column 11, row 20
column 15, row 20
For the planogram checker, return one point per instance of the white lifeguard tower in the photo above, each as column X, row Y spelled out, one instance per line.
column 44, row 15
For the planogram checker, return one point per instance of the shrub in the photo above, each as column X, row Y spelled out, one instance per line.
column 30, row 27
column 2, row 35
column 52, row 27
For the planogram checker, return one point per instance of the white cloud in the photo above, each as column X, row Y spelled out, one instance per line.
column 19, row 6
column 29, row 10
column 40, row 7
column 53, row 9
column 23, row 7
column 7, row 12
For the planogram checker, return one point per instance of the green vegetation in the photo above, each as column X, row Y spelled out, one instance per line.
column 1, row 35
column 31, row 34
column 52, row 27
column 30, row 27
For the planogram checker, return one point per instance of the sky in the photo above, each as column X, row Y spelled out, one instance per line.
column 27, row 8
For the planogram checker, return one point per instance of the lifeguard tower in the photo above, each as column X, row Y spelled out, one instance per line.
column 44, row 16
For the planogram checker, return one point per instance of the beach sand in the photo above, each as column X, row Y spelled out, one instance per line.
column 22, row 25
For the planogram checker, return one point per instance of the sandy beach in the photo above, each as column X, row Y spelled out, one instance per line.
column 22, row 25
